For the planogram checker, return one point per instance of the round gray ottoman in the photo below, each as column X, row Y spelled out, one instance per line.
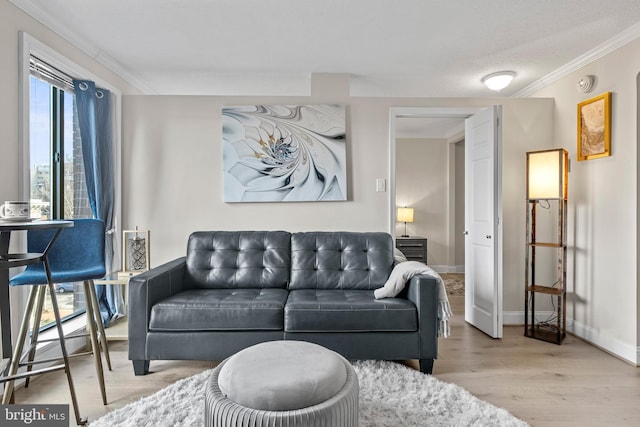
column 282, row 383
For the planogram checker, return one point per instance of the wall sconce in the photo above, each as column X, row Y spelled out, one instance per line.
column 498, row 81
column 405, row 215
column 547, row 172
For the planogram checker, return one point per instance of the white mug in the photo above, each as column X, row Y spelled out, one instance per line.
column 15, row 210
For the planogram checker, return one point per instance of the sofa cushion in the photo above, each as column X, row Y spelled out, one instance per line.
column 238, row 259
column 340, row 260
column 220, row 310
column 324, row 310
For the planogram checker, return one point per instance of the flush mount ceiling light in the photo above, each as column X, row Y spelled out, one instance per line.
column 498, row 81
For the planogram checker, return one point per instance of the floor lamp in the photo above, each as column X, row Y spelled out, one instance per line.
column 547, row 176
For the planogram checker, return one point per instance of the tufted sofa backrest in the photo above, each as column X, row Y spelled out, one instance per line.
column 238, row 259
column 340, row 260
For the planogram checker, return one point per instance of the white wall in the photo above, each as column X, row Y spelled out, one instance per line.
column 603, row 207
column 422, row 182
column 173, row 169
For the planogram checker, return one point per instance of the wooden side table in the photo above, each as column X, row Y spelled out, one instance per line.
column 414, row 248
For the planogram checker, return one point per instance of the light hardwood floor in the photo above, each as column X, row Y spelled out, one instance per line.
column 574, row 384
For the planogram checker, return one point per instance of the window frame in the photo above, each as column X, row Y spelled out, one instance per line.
column 29, row 45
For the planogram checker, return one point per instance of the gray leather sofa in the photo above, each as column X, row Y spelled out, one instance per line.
column 235, row 289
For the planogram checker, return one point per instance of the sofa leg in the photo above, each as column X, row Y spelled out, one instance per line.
column 140, row 367
column 426, row 366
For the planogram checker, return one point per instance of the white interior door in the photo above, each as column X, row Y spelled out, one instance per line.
column 483, row 212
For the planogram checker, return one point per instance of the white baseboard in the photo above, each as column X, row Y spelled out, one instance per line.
column 605, row 342
column 512, row 318
column 516, row 318
column 593, row 336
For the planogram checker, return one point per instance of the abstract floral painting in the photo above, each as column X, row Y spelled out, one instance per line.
column 284, row 153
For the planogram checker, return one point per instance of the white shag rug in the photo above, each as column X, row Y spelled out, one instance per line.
column 391, row 395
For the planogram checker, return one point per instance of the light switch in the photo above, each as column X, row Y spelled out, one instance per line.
column 381, row 185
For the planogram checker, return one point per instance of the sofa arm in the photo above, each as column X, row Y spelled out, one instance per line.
column 423, row 292
column 145, row 290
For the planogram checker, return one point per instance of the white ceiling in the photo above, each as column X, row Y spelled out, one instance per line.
column 432, row 48
column 435, row 48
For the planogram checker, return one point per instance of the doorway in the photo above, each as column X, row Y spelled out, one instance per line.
column 434, row 123
column 484, row 293
column 430, row 180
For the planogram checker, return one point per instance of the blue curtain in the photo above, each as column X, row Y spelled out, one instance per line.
column 95, row 122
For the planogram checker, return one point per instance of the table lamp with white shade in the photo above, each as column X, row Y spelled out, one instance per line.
column 405, row 215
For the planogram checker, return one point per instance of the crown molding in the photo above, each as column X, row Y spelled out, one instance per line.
column 131, row 78
column 594, row 54
column 36, row 12
column 32, row 9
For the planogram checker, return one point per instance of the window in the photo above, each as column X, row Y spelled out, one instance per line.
column 51, row 170
column 57, row 187
column 57, row 183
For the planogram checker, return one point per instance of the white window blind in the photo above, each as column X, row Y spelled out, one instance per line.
column 50, row 74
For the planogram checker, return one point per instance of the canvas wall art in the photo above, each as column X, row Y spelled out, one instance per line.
column 284, row 153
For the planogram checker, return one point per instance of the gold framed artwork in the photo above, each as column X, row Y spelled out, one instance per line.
column 594, row 127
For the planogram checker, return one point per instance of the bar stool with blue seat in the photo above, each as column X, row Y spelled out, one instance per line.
column 76, row 256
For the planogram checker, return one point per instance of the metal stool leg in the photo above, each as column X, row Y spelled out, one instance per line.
column 35, row 329
column 63, row 347
column 98, row 319
column 17, row 351
column 95, row 346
